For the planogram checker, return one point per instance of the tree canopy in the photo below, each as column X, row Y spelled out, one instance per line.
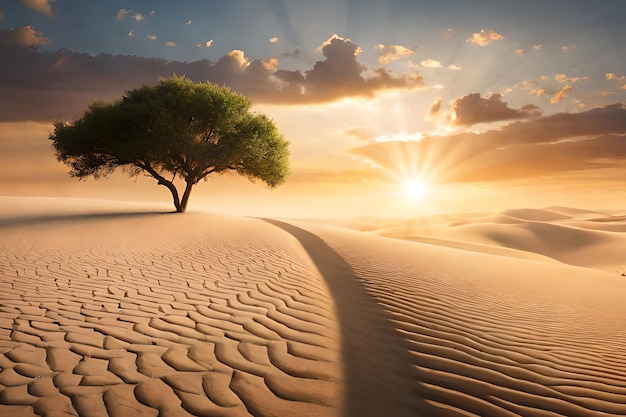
column 176, row 128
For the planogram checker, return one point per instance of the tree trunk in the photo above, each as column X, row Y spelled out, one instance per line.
column 186, row 193
column 164, row 182
column 170, row 186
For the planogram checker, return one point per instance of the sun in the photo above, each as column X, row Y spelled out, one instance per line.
column 415, row 189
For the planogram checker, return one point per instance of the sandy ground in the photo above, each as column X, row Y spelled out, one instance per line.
column 123, row 310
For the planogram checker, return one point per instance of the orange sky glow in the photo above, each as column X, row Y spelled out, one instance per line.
column 478, row 112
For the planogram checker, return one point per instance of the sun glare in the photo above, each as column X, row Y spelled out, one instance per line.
column 414, row 189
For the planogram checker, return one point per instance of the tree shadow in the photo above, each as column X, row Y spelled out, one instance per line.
column 37, row 220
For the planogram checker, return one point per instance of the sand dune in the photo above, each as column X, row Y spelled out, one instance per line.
column 163, row 315
column 121, row 313
column 577, row 237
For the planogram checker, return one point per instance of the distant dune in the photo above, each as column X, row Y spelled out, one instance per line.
column 577, row 237
column 125, row 310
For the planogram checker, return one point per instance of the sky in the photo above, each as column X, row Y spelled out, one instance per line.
column 393, row 109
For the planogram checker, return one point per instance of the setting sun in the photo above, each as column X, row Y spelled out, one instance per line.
column 415, row 189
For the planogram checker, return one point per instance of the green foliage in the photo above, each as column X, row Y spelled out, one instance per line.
column 176, row 128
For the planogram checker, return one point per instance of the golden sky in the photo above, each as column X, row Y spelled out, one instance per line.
column 398, row 109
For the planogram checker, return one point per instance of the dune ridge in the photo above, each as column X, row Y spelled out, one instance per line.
column 586, row 238
column 489, row 336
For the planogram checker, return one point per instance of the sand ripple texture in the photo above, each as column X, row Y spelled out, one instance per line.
column 163, row 315
column 493, row 336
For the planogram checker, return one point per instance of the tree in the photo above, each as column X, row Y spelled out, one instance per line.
column 177, row 128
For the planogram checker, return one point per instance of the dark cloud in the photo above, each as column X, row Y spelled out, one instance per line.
column 473, row 109
column 562, row 142
column 43, row 86
column 23, row 36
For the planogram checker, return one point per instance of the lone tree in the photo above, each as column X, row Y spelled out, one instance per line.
column 177, row 128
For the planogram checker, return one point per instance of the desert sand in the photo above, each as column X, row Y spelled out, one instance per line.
column 125, row 310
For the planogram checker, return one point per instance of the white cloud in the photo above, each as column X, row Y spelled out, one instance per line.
column 430, row 63
column 152, row 37
column 41, row 6
column 454, row 67
column 390, row 53
column 131, row 34
column 170, row 44
column 484, row 37
column 562, row 78
column 205, row 44
column 188, row 22
column 561, row 94
column 274, row 40
column 536, row 47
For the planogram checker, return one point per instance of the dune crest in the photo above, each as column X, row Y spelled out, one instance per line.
column 591, row 239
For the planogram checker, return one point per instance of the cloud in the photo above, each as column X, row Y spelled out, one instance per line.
column 188, row 22
column 536, row 47
column 484, row 37
column 563, row 142
column 23, row 36
column 562, row 78
column 40, row 6
column 206, row 44
column 273, row 40
column 561, row 94
column 340, row 74
column 447, row 33
column 358, row 132
column 170, row 44
column 137, row 16
column 611, row 76
column 152, row 37
column 454, row 67
column 44, row 86
column 131, row 34
column 121, row 13
column 434, row 110
column 473, row 109
column 519, row 52
column 430, row 63
column 390, row 53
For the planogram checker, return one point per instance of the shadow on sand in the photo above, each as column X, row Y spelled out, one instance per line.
column 37, row 220
column 376, row 363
